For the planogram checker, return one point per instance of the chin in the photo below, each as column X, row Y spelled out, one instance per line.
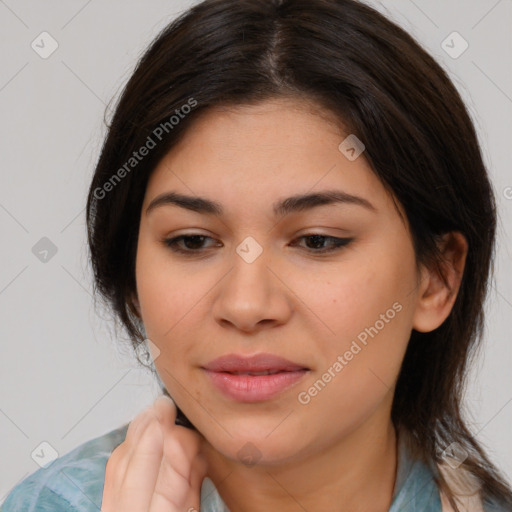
column 256, row 447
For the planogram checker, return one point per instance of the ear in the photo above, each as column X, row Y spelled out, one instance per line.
column 436, row 298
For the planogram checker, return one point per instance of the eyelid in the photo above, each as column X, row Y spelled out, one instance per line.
column 338, row 244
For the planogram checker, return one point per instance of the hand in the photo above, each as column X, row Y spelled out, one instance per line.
column 158, row 467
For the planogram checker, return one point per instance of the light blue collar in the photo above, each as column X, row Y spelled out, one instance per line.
column 415, row 489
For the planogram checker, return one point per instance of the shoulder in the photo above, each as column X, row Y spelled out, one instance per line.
column 466, row 488
column 463, row 485
column 71, row 482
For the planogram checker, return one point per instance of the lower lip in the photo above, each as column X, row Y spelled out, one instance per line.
column 254, row 388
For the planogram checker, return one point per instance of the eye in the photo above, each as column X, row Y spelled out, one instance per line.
column 318, row 240
column 193, row 244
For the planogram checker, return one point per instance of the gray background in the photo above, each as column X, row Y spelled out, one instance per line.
column 65, row 378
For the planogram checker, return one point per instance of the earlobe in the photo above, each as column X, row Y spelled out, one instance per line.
column 437, row 297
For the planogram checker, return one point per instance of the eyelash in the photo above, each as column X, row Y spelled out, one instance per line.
column 339, row 243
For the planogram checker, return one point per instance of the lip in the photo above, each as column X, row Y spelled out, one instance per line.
column 255, row 363
column 253, row 388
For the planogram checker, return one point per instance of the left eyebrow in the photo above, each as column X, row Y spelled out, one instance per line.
column 283, row 207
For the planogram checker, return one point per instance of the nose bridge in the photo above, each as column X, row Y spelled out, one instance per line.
column 250, row 292
column 250, row 275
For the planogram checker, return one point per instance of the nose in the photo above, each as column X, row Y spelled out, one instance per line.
column 253, row 295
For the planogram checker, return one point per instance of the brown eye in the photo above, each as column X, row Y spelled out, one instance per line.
column 316, row 243
column 192, row 243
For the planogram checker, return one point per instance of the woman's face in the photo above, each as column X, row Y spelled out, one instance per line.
column 255, row 280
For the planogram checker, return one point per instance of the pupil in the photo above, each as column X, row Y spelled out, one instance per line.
column 317, row 240
column 193, row 238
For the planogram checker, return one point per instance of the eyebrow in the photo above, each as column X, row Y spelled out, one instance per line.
column 297, row 203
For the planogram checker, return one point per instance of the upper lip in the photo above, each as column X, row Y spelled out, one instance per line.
column 255, row 363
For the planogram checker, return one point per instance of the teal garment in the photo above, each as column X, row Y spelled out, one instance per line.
column 74, row 483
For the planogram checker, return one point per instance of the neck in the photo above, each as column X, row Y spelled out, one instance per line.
column 357, row 473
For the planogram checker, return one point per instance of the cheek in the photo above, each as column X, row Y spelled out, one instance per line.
column 365, row 314
column 359, row 371
column 166, row 294
column 341, row 299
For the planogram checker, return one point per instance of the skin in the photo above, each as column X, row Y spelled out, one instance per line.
column 157, row 468
column 341, row 446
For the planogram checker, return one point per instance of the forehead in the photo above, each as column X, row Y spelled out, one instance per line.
column 259, row 153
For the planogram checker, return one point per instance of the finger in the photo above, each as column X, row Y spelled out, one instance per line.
column 171, row 492
column 176, row 490
column 143, row 468
column 199, row 472
column 188, row 441
column 138, row 424
column 166, row 411
column 123, row 452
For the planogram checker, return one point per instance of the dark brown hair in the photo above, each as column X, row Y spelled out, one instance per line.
column 420, row 142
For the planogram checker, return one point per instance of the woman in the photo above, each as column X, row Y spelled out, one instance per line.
column 291, row 210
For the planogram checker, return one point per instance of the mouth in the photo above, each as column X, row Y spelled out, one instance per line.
column 258, row 363
column 253, row 379
column 256, row 374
